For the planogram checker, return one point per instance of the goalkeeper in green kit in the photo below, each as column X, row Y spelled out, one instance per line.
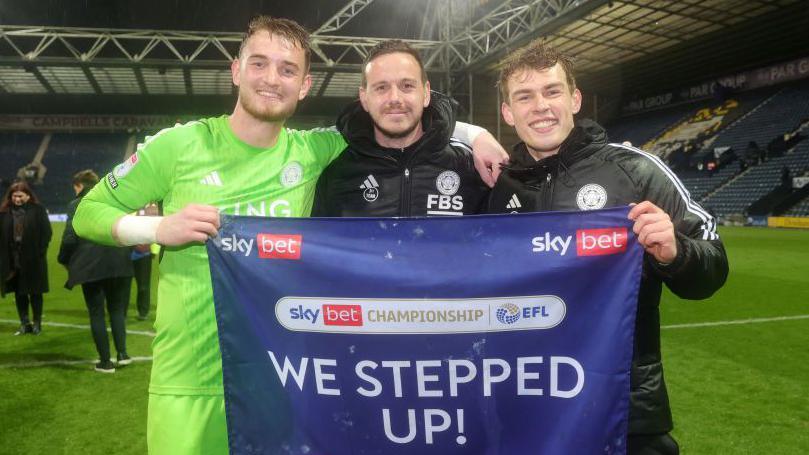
column 243, row 164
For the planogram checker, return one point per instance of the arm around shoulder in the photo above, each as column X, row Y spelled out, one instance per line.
column 488, row 154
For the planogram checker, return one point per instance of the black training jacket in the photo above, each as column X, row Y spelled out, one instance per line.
column 589, row 173
column 433, row 176
column 87, row 261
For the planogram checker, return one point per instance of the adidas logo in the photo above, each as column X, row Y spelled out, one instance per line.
column 212, row 179
column 513, row 203
column 371, row 188
column 370, row 182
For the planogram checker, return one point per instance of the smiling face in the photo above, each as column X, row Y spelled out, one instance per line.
column 540, row 106
column 19, row 198
column 272, row 77
column 395, row 95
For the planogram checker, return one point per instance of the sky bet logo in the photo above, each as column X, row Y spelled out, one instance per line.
column 600, row 242
column 307, row 314
column 350, row 315
column 279, row 246
column 270, row 246
column 237, row 245
column 342, row 315
column 589, row 242
column 548, row 243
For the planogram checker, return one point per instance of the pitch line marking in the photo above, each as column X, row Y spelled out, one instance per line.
column 79, row 326
column 45, row 363
column 735, row 322
column 670, row 326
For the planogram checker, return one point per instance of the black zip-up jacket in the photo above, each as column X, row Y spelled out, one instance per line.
column 86, row 261
column 589, row 173
column 433, row 176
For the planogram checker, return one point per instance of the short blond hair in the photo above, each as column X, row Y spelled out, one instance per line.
column 288, row 29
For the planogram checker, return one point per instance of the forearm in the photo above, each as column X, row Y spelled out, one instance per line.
column 130, row 230
column 467, row 133
column 700, row 269
column 99, row 215
column 95, row 220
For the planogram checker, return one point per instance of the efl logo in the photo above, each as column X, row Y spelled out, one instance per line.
column 342, row 315
column 279, row 246
column 600, row 242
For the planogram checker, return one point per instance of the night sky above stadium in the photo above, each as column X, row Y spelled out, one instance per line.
column 207, row 15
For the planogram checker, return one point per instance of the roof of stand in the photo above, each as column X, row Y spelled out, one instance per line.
column 129, row 48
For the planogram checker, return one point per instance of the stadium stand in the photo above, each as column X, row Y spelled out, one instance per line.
column 701, row 183
column 799, row 209
column 642, row 128
column 17, row 150
column 777, row 115
column 751, row 185
column 693, row 135
column 699, row 131
column 684, row 135
column 69, row 153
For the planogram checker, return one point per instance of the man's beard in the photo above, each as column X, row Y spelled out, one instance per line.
column 270, row 113
column 397, row 134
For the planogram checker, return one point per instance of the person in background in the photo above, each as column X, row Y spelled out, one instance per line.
column 786, row 177
column 104, row 273
column 142, row 267
column 25, row 233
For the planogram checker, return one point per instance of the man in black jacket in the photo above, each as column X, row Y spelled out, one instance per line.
column 565, row 165
column 401, row 160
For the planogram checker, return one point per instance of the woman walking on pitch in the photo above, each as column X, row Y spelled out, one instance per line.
column 25, row 233
column 104, row 273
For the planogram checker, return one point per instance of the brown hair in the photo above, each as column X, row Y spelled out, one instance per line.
column 86, row 178
column 391, row 47
column 20, row 185
column 285, row 28
column 536, row 55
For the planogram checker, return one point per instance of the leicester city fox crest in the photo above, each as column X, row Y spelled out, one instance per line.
column 291, row 174
column 591, row 197
column 448, row 183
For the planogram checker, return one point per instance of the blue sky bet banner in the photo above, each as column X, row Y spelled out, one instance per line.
column 507, row 334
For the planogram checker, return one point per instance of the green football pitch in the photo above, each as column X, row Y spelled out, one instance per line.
column 737, row 365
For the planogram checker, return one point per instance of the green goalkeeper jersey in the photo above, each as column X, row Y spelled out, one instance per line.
column 203, row 162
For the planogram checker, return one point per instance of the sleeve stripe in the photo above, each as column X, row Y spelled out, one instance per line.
column 709, row 223
column 319, row 129
column 455, row 142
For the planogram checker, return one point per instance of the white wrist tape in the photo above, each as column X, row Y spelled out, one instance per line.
column 467, row 133
column 136, row 230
